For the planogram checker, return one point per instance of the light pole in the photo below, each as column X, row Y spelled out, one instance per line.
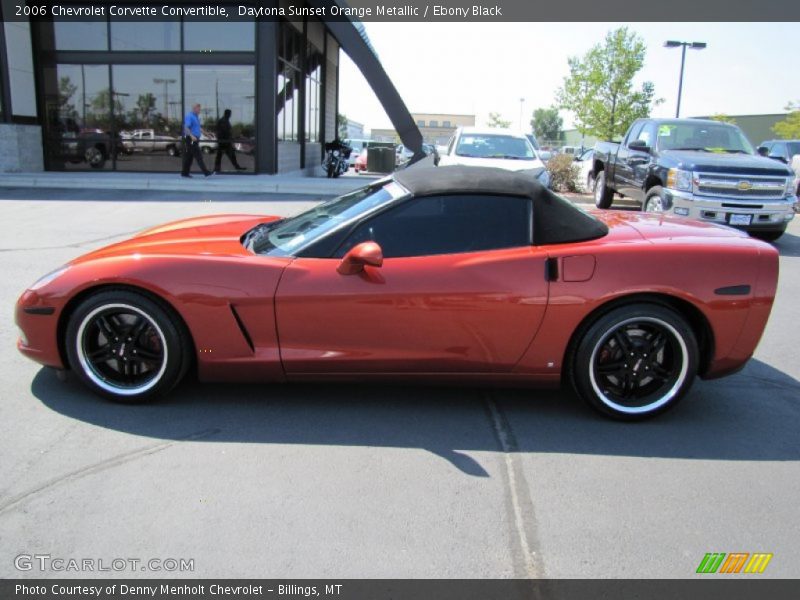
column 166, row 83
column 521, row 102
column 683, row 45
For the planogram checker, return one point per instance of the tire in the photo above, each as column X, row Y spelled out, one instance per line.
column 149, row 338
column 172, row 150
column 616, row 370
column 95, row 157
column 654, row 200
column 767, row 236
column 331, row 171
column 603, row 195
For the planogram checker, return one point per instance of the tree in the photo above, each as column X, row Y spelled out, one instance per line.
column 599, row 88
column 495, row 120
column 546, row 124
column 145, row 104
column 723, row 118
column 66, row 90
column 789, row 128
column 341, row 125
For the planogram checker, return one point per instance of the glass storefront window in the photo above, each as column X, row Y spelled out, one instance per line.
column 313, row 93
column 289, row 81
column 132, row 36
column 218, row 88
column 81, row 35
column 78, row 132
column 147, row 116
column 231, row 36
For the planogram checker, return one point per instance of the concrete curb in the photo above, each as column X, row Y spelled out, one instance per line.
column 172, row 182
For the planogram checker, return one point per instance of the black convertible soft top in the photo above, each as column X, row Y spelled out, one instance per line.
column 555, row 220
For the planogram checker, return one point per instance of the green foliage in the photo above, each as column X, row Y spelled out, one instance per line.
column 66, row 90
column 723, row 118
column 546, row 124
column 495, row 120
column 599, row 89
column 789, row 128
column 564, row 173
column 341, row 125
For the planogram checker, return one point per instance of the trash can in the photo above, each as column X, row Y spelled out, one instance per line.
column 380, row 160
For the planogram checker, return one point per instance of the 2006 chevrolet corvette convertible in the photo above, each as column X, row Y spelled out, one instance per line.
column 455, row 274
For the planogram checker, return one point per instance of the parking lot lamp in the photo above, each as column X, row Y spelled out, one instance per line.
column 683, row 45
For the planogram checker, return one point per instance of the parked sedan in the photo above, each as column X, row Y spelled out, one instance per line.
column 469, row 275
column 492, row 147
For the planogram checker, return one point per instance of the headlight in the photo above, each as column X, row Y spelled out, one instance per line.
column 790, row 186
column 336, row 153
column 678, row 179
column 52, row 276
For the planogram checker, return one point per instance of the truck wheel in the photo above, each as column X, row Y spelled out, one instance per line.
column 603, row 195
column 654, row 200
column 767, row 236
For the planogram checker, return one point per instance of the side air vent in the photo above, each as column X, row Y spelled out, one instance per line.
column 242, row 328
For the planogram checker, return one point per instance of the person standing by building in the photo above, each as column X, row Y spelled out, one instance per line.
column 224, row 145
column 191, row 143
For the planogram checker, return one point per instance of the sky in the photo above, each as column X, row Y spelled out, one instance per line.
column 477, row 68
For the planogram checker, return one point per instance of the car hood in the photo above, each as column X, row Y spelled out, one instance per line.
column 499, row 163
column 658, row 226
column 724, row 162
column 207, row 235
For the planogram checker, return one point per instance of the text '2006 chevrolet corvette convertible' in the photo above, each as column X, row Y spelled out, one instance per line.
column 455, row 274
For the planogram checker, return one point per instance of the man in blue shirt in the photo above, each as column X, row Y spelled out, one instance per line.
column 191, row 143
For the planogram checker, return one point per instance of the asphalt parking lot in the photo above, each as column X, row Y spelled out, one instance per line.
column 349, row 481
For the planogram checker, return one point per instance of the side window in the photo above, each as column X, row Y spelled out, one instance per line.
column 447, row 225
column 647, row 135
column 778, row 150
column 633, row 134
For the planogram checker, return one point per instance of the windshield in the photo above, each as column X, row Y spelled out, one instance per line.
column 289, row 236
column 793, row 147
column 478, row 145
column 702, row 136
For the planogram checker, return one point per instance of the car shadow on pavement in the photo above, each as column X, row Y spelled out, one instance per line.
column 749, row 416
column 788, row 245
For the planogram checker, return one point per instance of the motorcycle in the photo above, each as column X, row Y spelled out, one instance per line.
column 336, row 158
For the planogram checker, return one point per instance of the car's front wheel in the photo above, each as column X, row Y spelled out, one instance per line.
column 654, row 201
column 125, row 346
column 635, row 361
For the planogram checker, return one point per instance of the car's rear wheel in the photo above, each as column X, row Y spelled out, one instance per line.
column 126, row 347
column 635, row 361
column 603, row 196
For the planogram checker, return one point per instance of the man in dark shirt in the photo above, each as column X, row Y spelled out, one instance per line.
column 224, row 145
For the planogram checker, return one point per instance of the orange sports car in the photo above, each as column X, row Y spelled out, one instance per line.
column 452, row 274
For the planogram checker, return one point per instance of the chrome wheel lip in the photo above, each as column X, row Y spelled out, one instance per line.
column 665, row 398
column 95, row 377
column 599, row 184
column 654, row 204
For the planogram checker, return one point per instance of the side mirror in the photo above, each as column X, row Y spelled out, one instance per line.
column 762, row 151
column 639, row 145
column 366, row 253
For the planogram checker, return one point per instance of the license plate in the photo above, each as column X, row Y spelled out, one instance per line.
column 741, row 219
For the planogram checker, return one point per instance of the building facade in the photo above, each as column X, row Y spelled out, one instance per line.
column 111, row 95
column 436, row 128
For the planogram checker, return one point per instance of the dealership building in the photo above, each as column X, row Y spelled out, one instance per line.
column 111, row 94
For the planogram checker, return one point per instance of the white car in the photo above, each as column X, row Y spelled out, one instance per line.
column 494, row 147
column 585, row 161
